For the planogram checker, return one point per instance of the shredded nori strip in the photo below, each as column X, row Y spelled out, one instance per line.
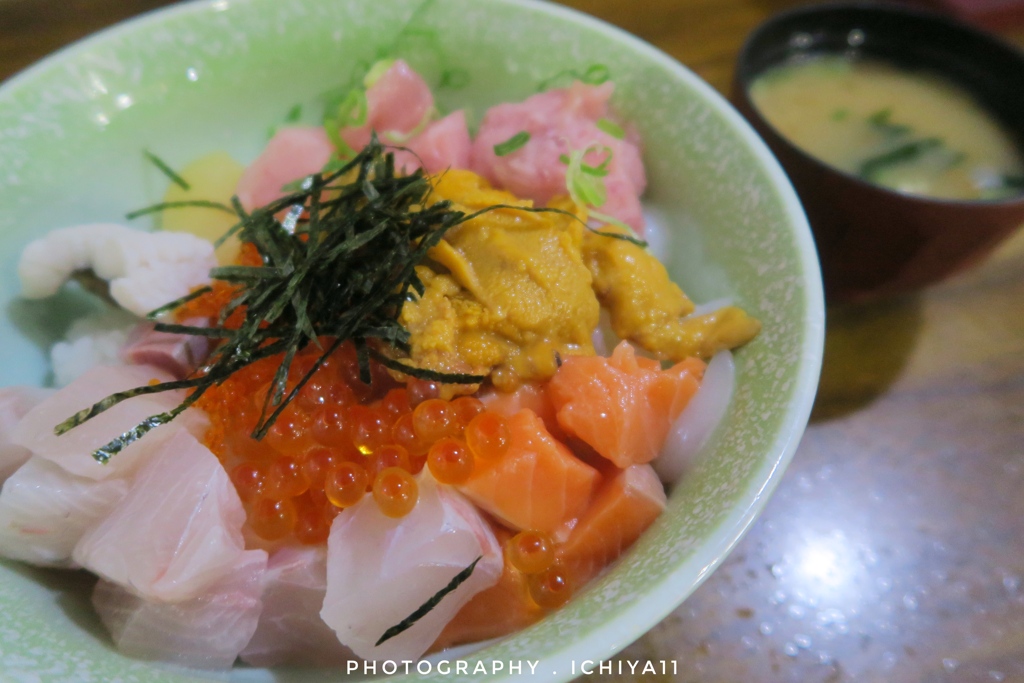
column 343, row 273
column 430, row 604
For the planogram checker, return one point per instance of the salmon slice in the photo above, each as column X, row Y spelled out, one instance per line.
column 622, row 406
column 622, row 510
column 529, row 396
column 502, row 609
column 538, row 484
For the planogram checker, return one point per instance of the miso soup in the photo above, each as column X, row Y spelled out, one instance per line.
column 912, row 132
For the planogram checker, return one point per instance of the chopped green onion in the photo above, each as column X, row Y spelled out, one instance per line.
column 456, row 79
column 871, row 168
column 840, row 114
column 1013, row 182
column 596, row 74
column 881, row 120
column 377, row 71
column 166, row 170
column 612, row 128
column 586, row 189
column 512, row 144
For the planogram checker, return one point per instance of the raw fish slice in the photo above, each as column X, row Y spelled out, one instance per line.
column 45, row 510
column 531, row 396
column 177, row 531
column 380, row 570
column 444, row 144
column 292, row 154
column 622, row 406
column 537, row 484
column 398, row 102
column 698, row 420
column 91, row 341
column 290, row 629
column 504, row 608
column 15, row 402
column 622, row 510
column 145, row 269
column 558, row 123
column 207, row 631
column 176, row 354
column 73, row 450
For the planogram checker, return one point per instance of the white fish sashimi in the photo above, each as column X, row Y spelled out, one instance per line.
column 698, row 420
column 290, row 629
column 175, row 354
column 207, row 631
column 177, row 531
column 145, row 269
column 73, row 450
column 15, row 402
column 380, row 570
column 45, row 510
column 91, row 341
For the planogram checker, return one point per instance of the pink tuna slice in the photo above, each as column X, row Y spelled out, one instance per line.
column 292, row 154
column 73, row 450
column 207, row 631
column 177, row 531
column 442, row 145
column 290, row 629
column 559, row 122
column 397, row 102
column 380, row 570
column 15, row 402
column 176, row 354
column 45, row 511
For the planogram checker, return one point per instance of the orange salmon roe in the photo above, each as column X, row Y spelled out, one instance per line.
column 487, row 435
column 531, row 552
column 338, row 440
column 450, row 461
column 550, row 588
column 395, row 491
column 431, row 420
column 345, row 484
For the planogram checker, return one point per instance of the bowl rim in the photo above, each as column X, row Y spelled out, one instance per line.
column 744, row 80
column 639, row 617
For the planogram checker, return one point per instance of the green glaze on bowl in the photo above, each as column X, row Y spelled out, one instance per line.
column 217, row 74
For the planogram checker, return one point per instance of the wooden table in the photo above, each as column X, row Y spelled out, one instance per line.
column 893, row 550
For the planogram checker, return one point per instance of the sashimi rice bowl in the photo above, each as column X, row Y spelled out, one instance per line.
column 345, row 336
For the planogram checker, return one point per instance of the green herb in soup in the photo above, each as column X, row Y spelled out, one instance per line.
column 912, row 132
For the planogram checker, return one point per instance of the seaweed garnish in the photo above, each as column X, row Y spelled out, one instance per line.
column 343, row 274
column 430, row 604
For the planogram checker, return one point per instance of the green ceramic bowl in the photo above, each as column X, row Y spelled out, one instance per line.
column 216, row 74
